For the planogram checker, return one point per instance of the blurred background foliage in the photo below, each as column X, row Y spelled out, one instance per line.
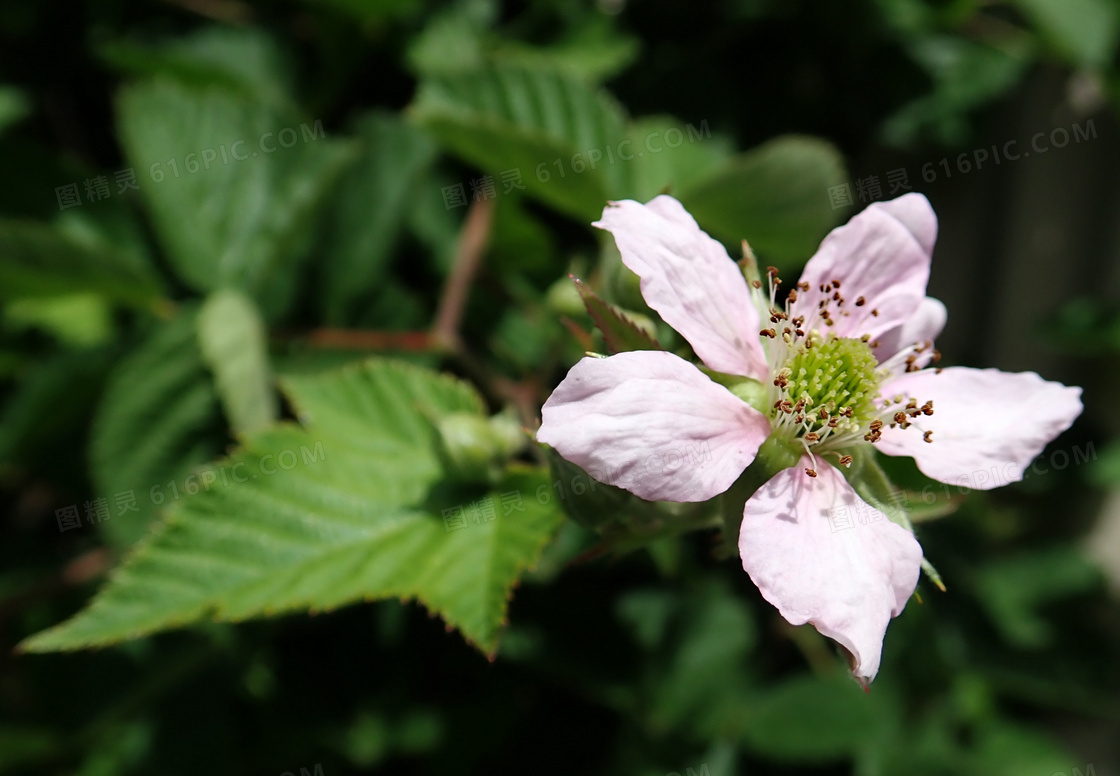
column 171, row 298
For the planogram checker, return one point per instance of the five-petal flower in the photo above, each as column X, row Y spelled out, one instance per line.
column 844, row 361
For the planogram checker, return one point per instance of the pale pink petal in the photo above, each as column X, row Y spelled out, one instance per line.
column 689, row 279
column 654, row 424
column 914, row 212
column 987, row 425
column 882, row 255
column 822, row 555
column 921, row 330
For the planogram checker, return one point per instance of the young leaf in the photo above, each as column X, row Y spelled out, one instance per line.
column 619, row 332
column 234, row 344
column 338, row 510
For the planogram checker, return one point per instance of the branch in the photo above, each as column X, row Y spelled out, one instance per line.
column 468, row 258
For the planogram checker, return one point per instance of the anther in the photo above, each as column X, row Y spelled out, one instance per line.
column 811, row 472
column 846, row 460
column 928, row 437
column 861, row 302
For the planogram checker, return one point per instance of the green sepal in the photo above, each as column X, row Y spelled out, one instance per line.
column 619, row 332
column 625, row 521
column 873, row 486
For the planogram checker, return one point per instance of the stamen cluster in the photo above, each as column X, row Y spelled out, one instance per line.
column 825, row 393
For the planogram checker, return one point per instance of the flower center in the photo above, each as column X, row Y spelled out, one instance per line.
column 827, row 386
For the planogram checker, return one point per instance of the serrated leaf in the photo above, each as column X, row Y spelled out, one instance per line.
column 352, row 515
column 620, row 333
column 234, row 344
column 534, row 121
column 774, row 196
column 159, row 415
column 232, row 206
column 368, row 210
column 36, row 260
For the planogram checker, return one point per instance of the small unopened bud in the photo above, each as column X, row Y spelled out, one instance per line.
column 476, row 448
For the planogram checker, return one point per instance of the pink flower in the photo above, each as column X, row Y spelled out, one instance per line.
column 843, row 362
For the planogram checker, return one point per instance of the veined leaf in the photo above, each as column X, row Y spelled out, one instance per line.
column 368, row 211
column 159, row 415
column 234, row 344
column 232, row 184
column 337, row 510
column 36, row 261
column 544, row 125
column 619, row 332
column 775, row 197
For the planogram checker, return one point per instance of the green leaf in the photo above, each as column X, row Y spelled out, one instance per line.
column 368, row 210
column 159, row 415
column 966, row 75
column 338, row 510
column 813, row 719
column 234, row 344
column 45, row 416
column 242, row 60
column 232, row 206
column 538, row 122
column 706, row 677
column 13, row 107
column 620, row 333
column 774, row 196
column 1013, row 589
column 37, row 260
column 1084, row 31
column 595, row 50
column 79, row 320
column 686, row 153
column 451, row 42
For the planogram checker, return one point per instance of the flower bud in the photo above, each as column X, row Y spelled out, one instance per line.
column 476, row 449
